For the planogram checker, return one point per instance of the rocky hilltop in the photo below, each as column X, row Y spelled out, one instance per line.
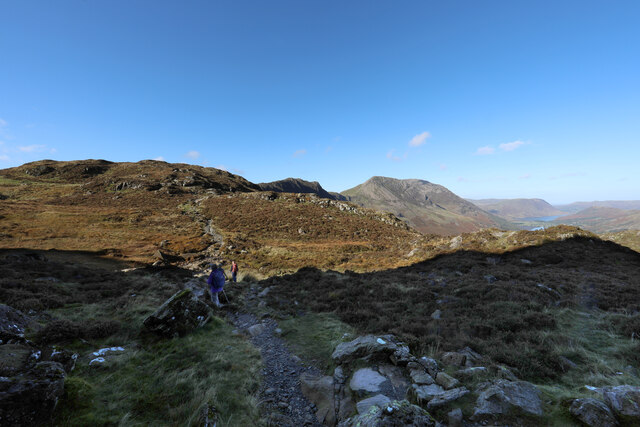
column 297, row 185
column 428, row 207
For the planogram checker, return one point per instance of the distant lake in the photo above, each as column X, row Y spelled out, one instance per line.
column 542, row 218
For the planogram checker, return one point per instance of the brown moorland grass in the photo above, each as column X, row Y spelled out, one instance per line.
column 499, row 305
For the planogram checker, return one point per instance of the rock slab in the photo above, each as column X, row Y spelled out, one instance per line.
column 503, row 399
column 593, row 413
column 179, row 315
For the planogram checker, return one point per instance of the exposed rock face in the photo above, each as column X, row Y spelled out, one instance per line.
column 366, row 380
column 593, row 413
column 504, row 399
column 179, row 315
column 624, row 400
column 31, row 382
column 371, row 347
column 396, row 414
column 319, row 391
column 446, row 380
column 447, row 397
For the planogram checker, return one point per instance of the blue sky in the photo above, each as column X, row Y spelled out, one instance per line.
column 496, row 99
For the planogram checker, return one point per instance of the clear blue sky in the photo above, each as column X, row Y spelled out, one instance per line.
column 518, row 98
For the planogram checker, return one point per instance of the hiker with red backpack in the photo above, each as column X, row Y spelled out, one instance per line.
column 234, row 271
column 216, row 283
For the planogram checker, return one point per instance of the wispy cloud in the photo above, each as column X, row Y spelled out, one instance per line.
column 328, row 149
column 222, row 167
column 395, row 158
column 442, row 167
column 463, row 179
column 3, row 123
column 159, row 158
column 510, row 146
column 525, row 176
column 4, row 157
column 192, row 154
column 299, row 153
column 337, row 139
column 32, row 148
column 483, row 151
column 419, row 139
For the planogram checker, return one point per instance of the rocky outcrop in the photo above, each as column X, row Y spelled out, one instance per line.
column 397, row 413
column 179, row 315
column 593, row 413
column 31, row 382
column 503, row 400
column 320, row 392
column 624, row 400
column 12, row 324
column 372, row 348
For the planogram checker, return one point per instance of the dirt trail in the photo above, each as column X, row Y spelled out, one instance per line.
column 283, row 403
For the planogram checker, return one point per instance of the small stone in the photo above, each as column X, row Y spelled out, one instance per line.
column 436, row 314
column 256, row 330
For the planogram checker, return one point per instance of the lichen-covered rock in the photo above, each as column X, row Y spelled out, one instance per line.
column 30, row 397
column 12, row 324
column 624, row 400
column 379, row 400
column 593, row 413
column 424, row 393
column 373, row 347
column 395, row 414
column 503, row 400
column 179, row 315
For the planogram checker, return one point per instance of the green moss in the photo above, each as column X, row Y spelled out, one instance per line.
column 315, row 336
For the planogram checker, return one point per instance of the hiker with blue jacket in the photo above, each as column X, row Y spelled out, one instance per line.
column 216, row 283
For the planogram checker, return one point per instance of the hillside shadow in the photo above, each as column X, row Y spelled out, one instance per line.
column 500, row 305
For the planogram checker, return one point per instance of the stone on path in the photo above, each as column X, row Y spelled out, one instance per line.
column 372, row 347
column 447, row 397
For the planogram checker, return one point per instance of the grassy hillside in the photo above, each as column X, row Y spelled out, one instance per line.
column 517, row 208
column 603, row 220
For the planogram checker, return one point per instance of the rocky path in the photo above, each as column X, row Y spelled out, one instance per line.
column 282, row 400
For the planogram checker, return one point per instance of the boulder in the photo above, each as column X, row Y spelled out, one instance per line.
column 319, row 391
column 446, row 380
column 593, row 413
column 420, row 377
column 372, row 347
column 624, row 400
column 424, row 393
column 454, row 358
column 396, row 414
column 379, row 400
column 256, row 330
column 447, row 397
column 179, row 315
column 365, row 381
column 469, row 373
column 429, row 364
column 12, row 324
column 472, row 358
column 31, row 397
column 505, row 399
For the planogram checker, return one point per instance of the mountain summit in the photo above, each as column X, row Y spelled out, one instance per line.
column 297, row 185
column 428, row 207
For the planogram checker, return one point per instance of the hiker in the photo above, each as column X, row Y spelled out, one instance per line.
column 234, row 271
column 216, row 283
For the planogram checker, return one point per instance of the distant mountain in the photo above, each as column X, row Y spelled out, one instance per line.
column 428, row 207
column 297, row 185
column 618, row 204
column 517, row 208
column 603, row 220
